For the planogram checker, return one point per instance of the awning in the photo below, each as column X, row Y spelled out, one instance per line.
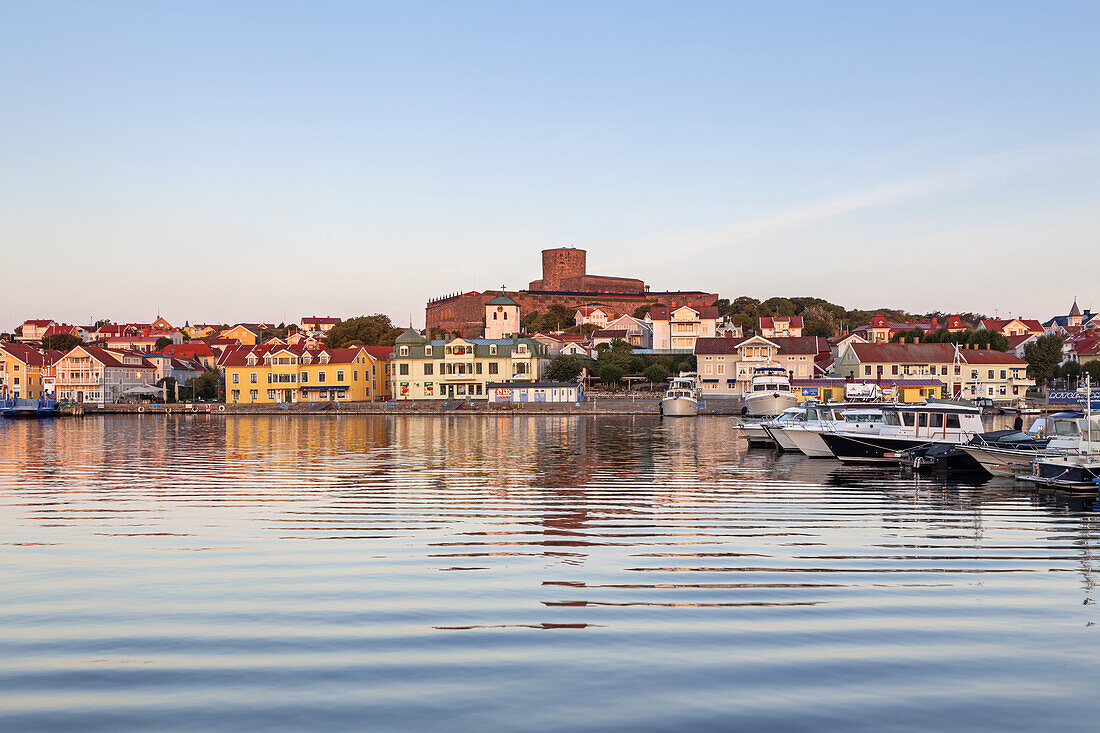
column 143, row 389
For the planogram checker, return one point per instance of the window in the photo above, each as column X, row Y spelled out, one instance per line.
column 404, row 351
column 339, row 375
column 506, row 315
column 943, row 369
column 236, row 377
column 492, row 352
column 493, row 367
column 867, row 370
column 403, row 370
column 236, row 395
column 253, row 395
column 991, row 373
column 355, row 376
column 429, row 370
column 908, row 419
column 894, row 369
column 305, row 377
column 953, row 422
column 271, row 394
column 477, row 367
column 252, row 378
column 321, row 376
column 922, row 420
column 1004, row 374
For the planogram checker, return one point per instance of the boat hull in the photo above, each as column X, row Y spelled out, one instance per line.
column 1065, row 474
column 754, row 433
column 868, row 448
column 679, row 407
column 809, row 442
column 782, row 439
column 768, row 403
column 1000, row 461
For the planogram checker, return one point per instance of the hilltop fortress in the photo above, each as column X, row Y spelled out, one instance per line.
column 565, row 281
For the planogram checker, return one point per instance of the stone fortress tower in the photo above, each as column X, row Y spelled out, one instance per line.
column 559, row 265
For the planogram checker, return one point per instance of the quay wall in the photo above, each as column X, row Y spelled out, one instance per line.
column 646, row 406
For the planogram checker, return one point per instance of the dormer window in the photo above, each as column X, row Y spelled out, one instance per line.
column 492, row 349
column 251, row 360
column 404, row 351
column 428, row 350
column 307, row 358
column 324, row 358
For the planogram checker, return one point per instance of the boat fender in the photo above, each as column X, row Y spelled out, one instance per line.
column 167, row 410
column 221, row 408
column 141, row 409
column 194, row 409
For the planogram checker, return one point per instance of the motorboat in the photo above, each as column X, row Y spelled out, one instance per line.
column 1052, row 436
column 905, row 427
column 681, row 398
column 855, row 418
column 769, row 391
column 1066, row 472
column 1000, row 452
column 775, row 428
column 753, row 432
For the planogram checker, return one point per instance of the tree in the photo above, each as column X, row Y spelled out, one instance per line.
column 161, row 343
column 656, row 373
column 61, row 342
column 376, row 330
column 989, row 339
column 1092, row 369
column 564, row 368
column 18, row 331
column 531, row 322
column 205, row 386
column 640, row 311
column 610, row 374
column 777, row 307
column 745, row 304
column 1043, row 355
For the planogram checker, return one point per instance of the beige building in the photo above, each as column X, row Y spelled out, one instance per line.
column 725, row 365
column 968, row 373
column 675, row 329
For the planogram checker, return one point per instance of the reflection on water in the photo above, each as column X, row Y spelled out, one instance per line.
column 352, row 572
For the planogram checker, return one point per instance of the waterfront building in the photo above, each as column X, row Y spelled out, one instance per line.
column 725, row 365
column 565, row 282
column 460, row 367
column 172, row 367
column 834, row 389
column 968, row 373
column 25, row 370
column 501, row 318
column 780, row 326
column 286, row 374
column 521, row 392
column 94, row 374
column 676, row 329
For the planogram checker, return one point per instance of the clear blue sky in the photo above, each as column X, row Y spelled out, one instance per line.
column 244, row 161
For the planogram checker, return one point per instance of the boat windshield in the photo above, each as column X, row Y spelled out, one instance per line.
column 1065, row 427
column 890, row 418
column 861, row 416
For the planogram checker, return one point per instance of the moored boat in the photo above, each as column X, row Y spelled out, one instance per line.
column 14, row 408
column 904, row 428
column 681, row 399
column 769, row 391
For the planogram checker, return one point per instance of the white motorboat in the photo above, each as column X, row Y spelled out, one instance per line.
column 905, row 428
column 753, row 431
column 1062, row 432
column 681, row 399
column 769, row 391
column 775, row 428
column 806, row 435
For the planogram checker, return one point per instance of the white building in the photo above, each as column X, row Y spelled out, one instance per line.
column 725, row 365
column 675, row 329
column 780, row 326
column 535, row 392
column 502, row 319
column 92, row 374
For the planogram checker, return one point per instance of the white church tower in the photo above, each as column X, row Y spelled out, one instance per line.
column 501, row 318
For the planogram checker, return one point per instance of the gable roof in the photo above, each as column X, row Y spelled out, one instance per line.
column 502, row 300
column 30, row 355
column 791, row 345
column 112, row 358
column 664, row 312
column 770, row 321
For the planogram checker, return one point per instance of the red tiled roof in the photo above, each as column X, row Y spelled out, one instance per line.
column 986, row 356
column 318, row 320
column 238, row 357
column 800, row 344
column 38, row 323
column 610, row 333
column 381, row 353
column 111, row 358
column 996, row 324
column 791, row 321
column 60, row 331
column 30, row 355
column 1015, row 341
column 664, row 312
column 904, row 353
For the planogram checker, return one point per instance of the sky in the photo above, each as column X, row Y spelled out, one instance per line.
column 231, row 161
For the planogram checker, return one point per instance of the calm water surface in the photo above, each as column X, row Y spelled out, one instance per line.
column 465, row 572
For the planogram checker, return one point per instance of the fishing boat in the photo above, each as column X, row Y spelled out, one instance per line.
column 769, row 391
column 681, row 398
column 14, row 408
column 905, row 427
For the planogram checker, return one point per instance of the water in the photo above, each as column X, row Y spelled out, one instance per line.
column 550, row 573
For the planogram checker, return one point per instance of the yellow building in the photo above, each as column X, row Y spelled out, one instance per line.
column 286, row 374
column 912, row 391
column 246, row 334
column 22, row 369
